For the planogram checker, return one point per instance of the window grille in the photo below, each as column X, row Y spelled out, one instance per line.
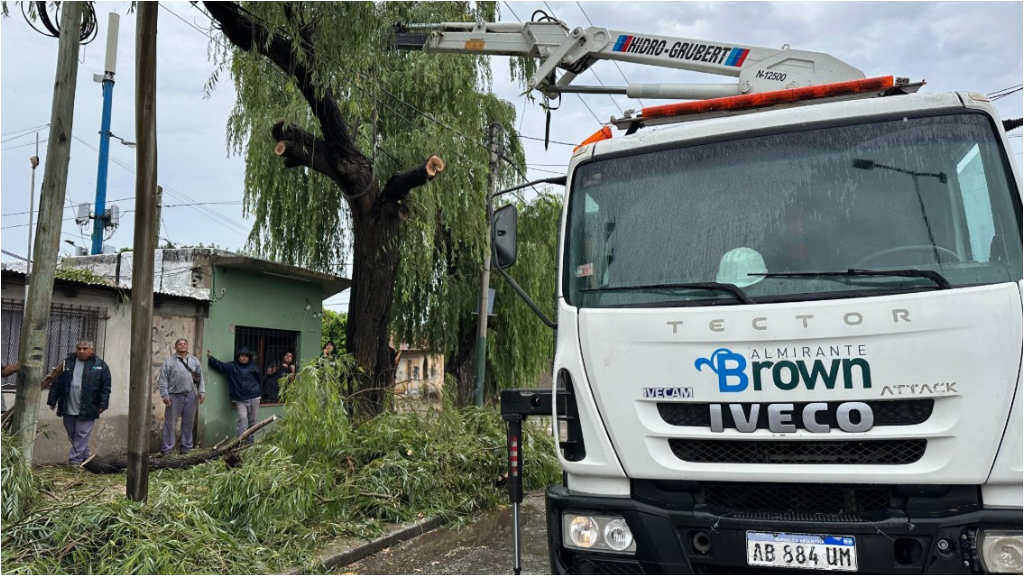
column 68, row 324
column 268, row 347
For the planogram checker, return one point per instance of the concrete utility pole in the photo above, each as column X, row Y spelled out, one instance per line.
column 32, row 351
column 485, row 277
column 140, row 377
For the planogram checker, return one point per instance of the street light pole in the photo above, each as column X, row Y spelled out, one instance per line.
column 100, row 220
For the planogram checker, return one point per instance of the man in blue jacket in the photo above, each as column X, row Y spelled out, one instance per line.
column 80, row 394
column 243, row 386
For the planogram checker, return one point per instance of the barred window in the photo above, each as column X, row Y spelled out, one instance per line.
column 268, row 347
column 68, row 324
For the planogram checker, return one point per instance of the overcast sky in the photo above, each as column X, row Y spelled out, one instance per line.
column 953, row 45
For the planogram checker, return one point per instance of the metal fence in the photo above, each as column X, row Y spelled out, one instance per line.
column 268, row 347
column 68, row 324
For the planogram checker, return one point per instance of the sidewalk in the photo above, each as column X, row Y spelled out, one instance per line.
column 344, row 551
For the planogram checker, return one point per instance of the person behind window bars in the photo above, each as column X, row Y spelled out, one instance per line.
column 243, row 386
column 80, row 394
column 271, row 384
column 182, row 389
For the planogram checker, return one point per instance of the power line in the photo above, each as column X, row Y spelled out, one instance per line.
column 577, row 95
column 22, row 145
column 29, row 133
column 549, row 141
column 623, row 74
column 1004, row 94
column 592, row 71
column 209, row 213
column 68, row 207
column 32, row 129
column 189, row 24
column 1013, row 88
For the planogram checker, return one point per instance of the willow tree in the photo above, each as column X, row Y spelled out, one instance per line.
column 341, row 135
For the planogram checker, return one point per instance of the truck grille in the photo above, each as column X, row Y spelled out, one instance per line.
column 886, row 412
column 798, row 452
column 809, row 498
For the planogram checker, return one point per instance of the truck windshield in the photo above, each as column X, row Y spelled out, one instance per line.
column 931, row 193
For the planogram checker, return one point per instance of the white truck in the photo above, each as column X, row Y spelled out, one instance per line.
column 789, row 332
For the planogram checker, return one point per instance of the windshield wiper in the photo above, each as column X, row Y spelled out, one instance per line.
column 909, row 273
column 716, row 286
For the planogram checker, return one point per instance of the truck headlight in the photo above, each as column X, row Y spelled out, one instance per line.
column 583, row 531
column 1002, row 551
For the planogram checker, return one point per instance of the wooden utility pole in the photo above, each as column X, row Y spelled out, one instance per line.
column 32, row 351
column 140, row 378
column 485, row 276
column 159, row 207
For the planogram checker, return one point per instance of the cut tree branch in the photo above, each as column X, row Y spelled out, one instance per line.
column 115, row 464
column 335, row 155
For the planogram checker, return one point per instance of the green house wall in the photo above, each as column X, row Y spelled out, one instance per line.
column 252, row 299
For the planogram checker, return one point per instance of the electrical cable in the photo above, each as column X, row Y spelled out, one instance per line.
column 33, row 128
column 22, row 145
column 87, row 32
column 591, row 69
column 623, row 74
column 189, row 24
column 211, row 214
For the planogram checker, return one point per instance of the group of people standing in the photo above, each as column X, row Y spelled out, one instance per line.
column 82, row 392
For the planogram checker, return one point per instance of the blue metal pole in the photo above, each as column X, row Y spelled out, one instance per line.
column 99, row 224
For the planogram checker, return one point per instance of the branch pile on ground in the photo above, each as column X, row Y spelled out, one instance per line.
column 317, row 475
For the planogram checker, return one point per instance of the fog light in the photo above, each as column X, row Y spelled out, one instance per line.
column 583, row 531
column 1002, row 551
column 617, row 535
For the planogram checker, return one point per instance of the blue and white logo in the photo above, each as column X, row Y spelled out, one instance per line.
column 730, row 368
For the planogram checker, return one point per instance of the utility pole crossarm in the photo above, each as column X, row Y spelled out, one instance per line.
column 758, row 69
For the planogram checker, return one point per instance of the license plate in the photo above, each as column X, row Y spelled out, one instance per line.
column 810, row 551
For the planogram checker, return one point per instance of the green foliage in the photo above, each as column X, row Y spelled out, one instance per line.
column 316, row 476
column 84, row 275
column 332, row 328
column 402, row 107
column 519, row 345
column 19, row 488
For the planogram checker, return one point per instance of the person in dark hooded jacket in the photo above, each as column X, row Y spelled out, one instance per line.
column 243, row 386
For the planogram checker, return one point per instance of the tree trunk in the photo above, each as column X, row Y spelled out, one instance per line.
column 461, row 365
column 374, row 271
column 377, row 211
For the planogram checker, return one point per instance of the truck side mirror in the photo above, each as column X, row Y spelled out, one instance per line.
column 503, row 236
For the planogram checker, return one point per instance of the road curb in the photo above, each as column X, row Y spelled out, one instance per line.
column 346, row 552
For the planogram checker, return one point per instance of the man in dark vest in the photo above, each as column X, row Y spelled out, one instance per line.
column 80, row 394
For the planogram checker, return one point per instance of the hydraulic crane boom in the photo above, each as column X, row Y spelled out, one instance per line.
column 758, row 69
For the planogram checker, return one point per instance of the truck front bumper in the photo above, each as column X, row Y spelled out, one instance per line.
column 938, row 541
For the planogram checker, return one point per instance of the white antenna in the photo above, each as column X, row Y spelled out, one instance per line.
column 83, row 216
column 113, row 22
column 113, row 217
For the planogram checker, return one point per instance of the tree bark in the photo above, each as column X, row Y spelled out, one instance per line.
column 115, row 464
column 462, row 365
column 376, row 212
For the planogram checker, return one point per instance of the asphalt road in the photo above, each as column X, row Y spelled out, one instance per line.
column 483, row 547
